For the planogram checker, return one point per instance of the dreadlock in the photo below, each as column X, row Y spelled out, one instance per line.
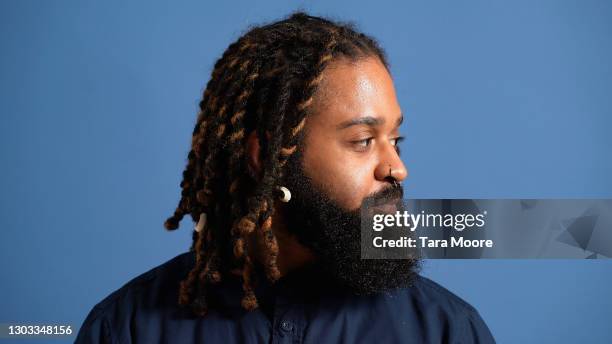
column 264, row 82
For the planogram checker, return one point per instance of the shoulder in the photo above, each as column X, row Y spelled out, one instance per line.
column 151, row 291
column 436, row 303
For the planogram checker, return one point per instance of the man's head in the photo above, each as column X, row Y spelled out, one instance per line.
column 304, row 103
column 348, row 158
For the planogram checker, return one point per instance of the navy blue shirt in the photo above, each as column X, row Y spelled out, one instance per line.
column 299, row 308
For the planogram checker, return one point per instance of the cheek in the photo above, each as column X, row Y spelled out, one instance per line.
column 352, row 187
column 345, row 177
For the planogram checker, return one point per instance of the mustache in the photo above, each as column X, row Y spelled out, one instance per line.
column 391, row 193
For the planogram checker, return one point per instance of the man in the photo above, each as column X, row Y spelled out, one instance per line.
column 298, row 128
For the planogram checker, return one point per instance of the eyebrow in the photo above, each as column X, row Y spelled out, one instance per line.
column 367, row 120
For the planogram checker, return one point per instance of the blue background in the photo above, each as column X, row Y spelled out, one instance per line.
column 98, row 100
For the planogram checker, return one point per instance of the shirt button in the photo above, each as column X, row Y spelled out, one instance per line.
column 286, row 326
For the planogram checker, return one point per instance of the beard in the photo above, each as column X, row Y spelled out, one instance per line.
column 334, row 235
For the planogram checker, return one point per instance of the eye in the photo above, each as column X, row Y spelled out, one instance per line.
column 362, row 144
column 396, row 141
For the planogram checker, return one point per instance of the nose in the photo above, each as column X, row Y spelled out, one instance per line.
column 390, row 167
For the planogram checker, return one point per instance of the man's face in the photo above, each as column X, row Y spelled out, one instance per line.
column 349, row 147
column 346, row 159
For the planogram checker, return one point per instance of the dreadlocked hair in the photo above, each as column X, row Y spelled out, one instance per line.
column 264, row 82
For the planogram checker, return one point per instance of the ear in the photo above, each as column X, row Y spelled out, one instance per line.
column 253, row 152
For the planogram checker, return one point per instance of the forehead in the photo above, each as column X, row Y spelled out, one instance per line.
column 351, row 89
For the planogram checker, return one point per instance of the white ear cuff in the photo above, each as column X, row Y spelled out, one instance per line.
column 286, row 194
column 201, row 223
